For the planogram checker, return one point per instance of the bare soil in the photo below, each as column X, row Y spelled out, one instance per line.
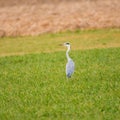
column 25, row 17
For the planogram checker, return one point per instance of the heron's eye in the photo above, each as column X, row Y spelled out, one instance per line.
column 67, row 43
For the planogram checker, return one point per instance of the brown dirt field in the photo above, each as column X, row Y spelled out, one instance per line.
column 25, row 17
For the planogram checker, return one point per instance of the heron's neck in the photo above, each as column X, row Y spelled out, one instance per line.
column 67, row 55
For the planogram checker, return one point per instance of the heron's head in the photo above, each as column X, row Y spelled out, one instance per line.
column 67, row 44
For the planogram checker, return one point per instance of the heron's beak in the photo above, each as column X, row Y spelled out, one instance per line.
column 60, row 44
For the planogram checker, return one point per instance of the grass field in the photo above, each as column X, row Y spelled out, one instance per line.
column 80, row 40
column 34, row 86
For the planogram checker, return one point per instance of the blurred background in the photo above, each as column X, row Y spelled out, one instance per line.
column 34, row 17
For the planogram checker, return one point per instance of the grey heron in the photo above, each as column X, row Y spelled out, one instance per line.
column 70, row 64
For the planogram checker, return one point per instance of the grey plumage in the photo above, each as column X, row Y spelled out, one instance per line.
column 70, row 64
column 69, row 68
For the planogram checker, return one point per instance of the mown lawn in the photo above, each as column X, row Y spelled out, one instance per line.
column 34, row 86
column 80, row 40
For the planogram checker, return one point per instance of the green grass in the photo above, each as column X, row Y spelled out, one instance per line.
column 50, row 42
column 34, row 86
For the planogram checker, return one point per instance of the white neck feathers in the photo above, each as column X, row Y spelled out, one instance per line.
column 67, row 55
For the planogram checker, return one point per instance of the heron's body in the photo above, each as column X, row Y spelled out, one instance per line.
column 69, row 68
column 70, row 64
